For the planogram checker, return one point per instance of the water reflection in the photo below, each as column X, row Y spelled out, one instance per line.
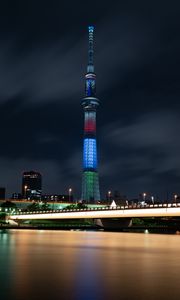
column 88, row 265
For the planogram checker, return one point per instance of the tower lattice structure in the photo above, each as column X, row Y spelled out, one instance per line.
column 90, row 177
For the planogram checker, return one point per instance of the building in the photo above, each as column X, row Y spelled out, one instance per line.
column 2, row 193
column 16, row 196
column 32, row 185
column 90, row 178
column 57, row 198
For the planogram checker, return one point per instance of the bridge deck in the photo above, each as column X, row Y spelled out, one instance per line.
column 161, row 210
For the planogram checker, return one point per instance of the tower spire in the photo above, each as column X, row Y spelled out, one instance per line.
column 90, row 67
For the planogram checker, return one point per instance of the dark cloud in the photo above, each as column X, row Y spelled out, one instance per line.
column 43, row 54
column 143, row 152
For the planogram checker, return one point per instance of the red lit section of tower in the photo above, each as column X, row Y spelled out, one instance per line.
column 90, row 123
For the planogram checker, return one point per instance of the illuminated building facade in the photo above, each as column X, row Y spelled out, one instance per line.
column 90, row 179
column 32, row 185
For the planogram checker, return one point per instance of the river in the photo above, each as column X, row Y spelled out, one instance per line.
column 87, row 265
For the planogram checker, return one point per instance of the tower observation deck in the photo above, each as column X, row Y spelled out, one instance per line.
column 90, row 178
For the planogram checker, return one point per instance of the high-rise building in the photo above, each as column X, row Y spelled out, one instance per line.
column 90, row 178
column 2, row 193
column 32, row 185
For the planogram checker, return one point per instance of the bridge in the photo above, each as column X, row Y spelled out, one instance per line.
column 121, row 212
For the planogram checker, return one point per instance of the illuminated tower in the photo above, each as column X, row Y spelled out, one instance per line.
column 90, row 180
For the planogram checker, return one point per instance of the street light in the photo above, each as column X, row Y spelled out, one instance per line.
column 175, row 197
column 25, row 191
column 109, row 195
column 144, row 197
column 152, row 198
column 70, row 191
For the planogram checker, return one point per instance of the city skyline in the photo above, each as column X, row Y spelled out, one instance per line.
column 42, row 59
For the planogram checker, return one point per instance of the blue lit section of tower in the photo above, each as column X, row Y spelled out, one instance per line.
column 90, row 179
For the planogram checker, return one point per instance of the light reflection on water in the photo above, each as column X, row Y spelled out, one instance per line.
column 88, row 265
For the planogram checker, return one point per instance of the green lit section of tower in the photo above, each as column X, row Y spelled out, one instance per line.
column 90, row 178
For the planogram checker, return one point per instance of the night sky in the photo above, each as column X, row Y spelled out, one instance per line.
column 43, row 57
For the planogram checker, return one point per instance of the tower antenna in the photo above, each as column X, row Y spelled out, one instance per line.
column 90, row 67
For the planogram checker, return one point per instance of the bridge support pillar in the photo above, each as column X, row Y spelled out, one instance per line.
column 116, row 224
column 12, row 222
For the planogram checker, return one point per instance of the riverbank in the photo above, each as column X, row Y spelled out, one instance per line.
column 44, row 227
column 133, row 229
